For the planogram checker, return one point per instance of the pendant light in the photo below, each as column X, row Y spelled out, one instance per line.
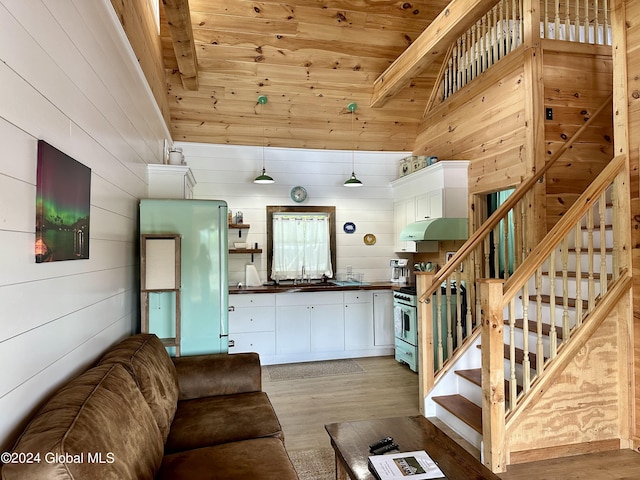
column 353, row 181
column 263, row 178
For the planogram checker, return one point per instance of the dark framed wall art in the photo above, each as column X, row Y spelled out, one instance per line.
column 63, row 199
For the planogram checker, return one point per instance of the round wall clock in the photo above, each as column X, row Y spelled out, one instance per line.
column 298, row 194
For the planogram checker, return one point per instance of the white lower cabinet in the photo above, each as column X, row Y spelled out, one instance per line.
column 383, row 334
column 358, row 319
column 309, row 322
column 327, row 328
column 252, row 324
column 306, row 326
column 293, row 329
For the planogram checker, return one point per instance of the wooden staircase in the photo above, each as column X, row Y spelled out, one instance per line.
column 561, row 298
column 462, row 410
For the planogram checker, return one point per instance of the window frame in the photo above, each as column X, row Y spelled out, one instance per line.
column 330, row 211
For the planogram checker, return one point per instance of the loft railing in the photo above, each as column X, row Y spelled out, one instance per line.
column 493, row 36
column 501, row 30
column 582, row 21
column 455, row 284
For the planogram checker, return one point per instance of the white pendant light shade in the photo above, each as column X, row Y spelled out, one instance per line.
column 263, row 178
column 353, row 180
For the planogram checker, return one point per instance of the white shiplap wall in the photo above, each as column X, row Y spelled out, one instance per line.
column 69, row 77
column 224, row 172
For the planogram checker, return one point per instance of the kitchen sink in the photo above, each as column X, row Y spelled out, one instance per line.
column 304, row 285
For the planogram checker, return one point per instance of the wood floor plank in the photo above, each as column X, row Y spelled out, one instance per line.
column 386, row 389
column 390, row 389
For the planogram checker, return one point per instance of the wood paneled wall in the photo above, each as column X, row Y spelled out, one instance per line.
column 484, row 123
column 139, row 24
column 67, row 77
column 575, row 85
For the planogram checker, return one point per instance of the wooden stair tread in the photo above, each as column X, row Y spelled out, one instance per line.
column 474, row 375
column 585, row 249
column 519, row 355
column 596, row 228
column 583, row 275
column 533, row 327
column 559, row 301
column 465, row 410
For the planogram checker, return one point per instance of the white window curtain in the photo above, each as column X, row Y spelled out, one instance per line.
column 301, row 241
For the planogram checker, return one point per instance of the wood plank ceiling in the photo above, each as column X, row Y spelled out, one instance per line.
column 311, row 58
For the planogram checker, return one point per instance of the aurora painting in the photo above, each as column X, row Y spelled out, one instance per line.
column 63, row 197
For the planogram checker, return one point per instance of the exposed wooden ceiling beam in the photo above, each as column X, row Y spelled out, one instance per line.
column 452, row 22
column 179, row 19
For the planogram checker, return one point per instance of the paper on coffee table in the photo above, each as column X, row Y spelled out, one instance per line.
column 416, row 465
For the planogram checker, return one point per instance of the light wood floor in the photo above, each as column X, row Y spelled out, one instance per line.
column 389, row 389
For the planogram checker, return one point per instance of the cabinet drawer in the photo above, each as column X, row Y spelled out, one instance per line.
column 407, row 354
column 263, row 343
column 248, row 300
column 252, row 320
column 358, row 296
column 309, row 298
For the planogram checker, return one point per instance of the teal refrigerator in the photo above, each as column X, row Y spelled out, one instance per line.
column 203, row 227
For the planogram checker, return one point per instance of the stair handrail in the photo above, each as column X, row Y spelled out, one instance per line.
column 562, row 228
column 497, row 295
column 503, row 210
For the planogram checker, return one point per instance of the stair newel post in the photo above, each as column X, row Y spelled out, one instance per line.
column 621, row 225
column 426, row 366
column 493, row 399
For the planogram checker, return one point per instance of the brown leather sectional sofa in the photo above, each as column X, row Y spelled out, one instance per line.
column 140, row 414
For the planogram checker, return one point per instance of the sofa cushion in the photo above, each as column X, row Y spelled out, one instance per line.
column 210, row 421
column 147, row 360
column 218, row 374
column 97, row 426
column 256, row 459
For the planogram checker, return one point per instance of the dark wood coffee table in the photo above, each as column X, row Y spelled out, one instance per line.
column 351, row 440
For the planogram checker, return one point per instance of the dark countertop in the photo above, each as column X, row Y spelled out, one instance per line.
column 316, row 287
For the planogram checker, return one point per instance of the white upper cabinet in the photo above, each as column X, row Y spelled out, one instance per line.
column 440, row 190
column 170, row 181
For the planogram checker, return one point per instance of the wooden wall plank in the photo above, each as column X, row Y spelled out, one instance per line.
column 483, row 123
column 139, row 25
column 574, row 87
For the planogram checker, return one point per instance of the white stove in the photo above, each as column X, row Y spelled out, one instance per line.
column 405, row 316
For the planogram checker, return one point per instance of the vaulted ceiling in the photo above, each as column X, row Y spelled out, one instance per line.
column 311, row 58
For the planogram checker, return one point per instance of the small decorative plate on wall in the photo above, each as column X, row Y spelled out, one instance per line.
column 369, row 239
column 349, row 227
column 298, row 194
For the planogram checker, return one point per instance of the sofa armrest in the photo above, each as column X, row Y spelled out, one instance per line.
column 218, row 374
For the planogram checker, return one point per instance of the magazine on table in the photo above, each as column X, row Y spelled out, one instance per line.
column 416, row 465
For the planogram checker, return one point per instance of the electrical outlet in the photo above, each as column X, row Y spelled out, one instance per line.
column 548, row 112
